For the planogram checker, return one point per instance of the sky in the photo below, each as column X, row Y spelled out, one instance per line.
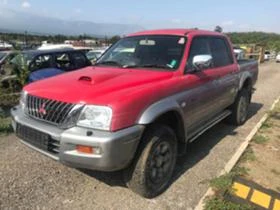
column 237, row 15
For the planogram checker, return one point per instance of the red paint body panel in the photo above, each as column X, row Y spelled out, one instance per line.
column 127, row 91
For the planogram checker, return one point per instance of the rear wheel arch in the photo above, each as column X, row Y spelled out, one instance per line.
column 247, row 85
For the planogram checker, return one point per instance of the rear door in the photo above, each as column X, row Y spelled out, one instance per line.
column 79, row 60
column 63, row 61
column 225, row 71
column 43, row 61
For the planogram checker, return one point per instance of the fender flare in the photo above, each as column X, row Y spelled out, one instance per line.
column 159, row 108
column 243, row 77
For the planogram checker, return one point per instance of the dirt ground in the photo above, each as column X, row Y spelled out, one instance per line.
column 262, row 159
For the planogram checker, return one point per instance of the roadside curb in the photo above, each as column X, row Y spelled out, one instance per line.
column 234, row 159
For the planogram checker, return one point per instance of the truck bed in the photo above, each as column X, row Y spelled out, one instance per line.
column 250, row 66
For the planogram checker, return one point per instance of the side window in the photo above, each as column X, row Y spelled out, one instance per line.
column 220, row 52
column 63, row 62
column 41, row 62
column 199, row 46
column 79, row 59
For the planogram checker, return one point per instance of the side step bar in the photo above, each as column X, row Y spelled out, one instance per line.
column 210, row 124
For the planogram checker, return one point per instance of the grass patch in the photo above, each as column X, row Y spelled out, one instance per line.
column 219, row 204
column 5, row 126
column 223, row 183
column 248, row 155
column 260, row 139
column 266, row 125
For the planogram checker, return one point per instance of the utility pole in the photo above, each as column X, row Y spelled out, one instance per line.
column 25, row 38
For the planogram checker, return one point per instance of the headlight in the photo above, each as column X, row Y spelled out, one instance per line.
column 97, row 117
column 22, row 100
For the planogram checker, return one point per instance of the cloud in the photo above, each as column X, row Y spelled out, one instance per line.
column 228, row 23
column 78, row 11
column 176, row 20
column 25, row 4
column 4, row 2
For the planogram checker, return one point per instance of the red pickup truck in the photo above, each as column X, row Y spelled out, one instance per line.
column 137, row 108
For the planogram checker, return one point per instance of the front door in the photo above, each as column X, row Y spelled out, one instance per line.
column 201, row 95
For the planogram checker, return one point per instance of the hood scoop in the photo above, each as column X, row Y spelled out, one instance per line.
column 85, row 79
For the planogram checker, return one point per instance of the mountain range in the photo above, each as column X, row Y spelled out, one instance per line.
column 17, row 21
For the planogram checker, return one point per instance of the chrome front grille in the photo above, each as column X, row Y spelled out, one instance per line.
column 48, row 110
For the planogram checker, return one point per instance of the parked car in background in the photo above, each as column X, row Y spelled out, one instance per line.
column 139, row 106
column 239, row 53
column 278, row 58
column 5, row 46
column 47, row 63
column 5, row 58
column 93, row 55
column 267, row 55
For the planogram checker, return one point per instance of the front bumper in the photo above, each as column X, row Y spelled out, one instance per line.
column 117, row 148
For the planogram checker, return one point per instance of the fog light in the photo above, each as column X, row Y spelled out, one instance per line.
column 88, row 149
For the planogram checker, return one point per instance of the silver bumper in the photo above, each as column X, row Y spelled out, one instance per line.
column 117, row 148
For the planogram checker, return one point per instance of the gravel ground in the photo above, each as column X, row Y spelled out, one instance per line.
column 30, row 180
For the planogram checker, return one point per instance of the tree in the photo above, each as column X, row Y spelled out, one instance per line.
column 114, row 39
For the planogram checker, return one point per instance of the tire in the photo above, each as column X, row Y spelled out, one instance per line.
column 150, row 173
column 240, row 108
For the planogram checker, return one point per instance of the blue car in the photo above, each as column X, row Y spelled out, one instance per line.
column 47, row 63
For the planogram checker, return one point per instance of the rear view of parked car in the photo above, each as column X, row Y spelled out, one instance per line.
column 267, row 55
column 278, row 58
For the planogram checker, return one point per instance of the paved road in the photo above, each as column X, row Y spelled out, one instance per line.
column 30, row 180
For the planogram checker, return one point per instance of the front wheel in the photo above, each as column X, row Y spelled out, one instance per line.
column 153, row 167
column 240, row 108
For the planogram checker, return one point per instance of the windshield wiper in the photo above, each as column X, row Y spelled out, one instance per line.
column 149, row 66
column 112, row 63
column 166, row 66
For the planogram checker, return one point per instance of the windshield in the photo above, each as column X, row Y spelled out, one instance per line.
column 2, row 54
column 153, row 51
column 93, row 55
column 22, row 59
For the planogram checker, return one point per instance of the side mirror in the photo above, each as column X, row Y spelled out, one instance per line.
column 201, row 62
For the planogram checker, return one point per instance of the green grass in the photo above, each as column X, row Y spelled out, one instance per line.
column 219, row 204
column 223, row 183
column 266, row 125
column 260, row 139
column 5, row 126
column 248, row 155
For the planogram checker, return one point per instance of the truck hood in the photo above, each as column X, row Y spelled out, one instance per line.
column 95, row 85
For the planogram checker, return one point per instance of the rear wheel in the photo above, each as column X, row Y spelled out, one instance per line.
column 153, row 167
column 240, row 108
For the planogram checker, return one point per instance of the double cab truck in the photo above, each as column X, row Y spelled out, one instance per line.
column 138, row 107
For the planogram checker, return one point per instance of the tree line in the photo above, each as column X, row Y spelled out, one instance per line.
column 270, row 41
column 59, row 38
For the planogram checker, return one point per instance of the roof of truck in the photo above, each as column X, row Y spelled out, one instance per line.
column 178, row 32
